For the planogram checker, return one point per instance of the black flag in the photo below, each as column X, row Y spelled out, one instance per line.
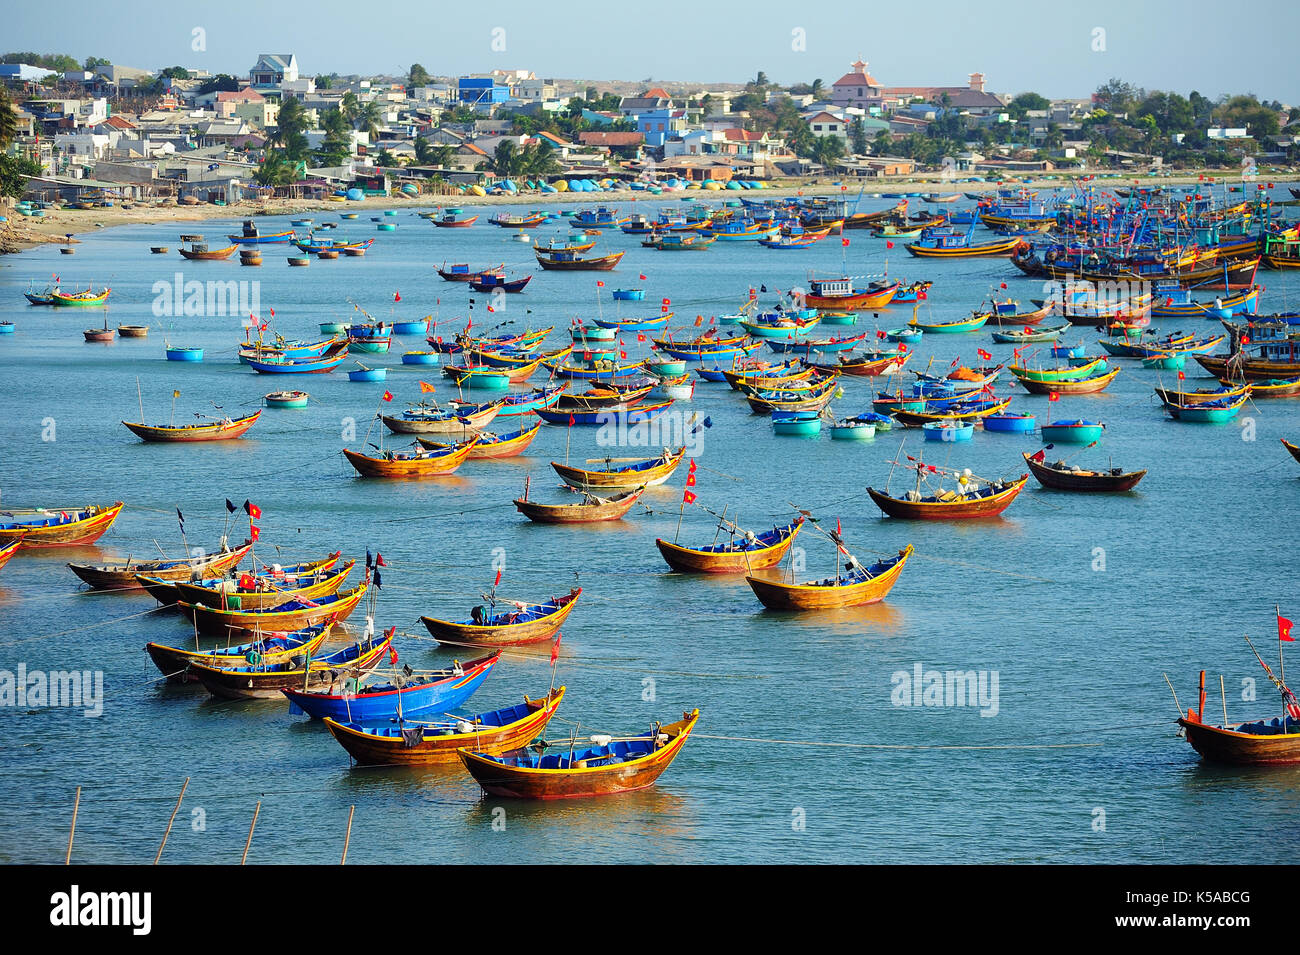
column 230, row 506
column 181, row 517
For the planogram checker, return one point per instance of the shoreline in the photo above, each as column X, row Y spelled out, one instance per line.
column 22, row 233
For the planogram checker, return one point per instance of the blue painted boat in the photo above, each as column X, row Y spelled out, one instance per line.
column 629, row 294
column 440, row 690
column 368, row 374
column 1012, row 423
column 948, row 430
column 800, row 423
column 184, row 354
column 1079, row 431
column 908, row 335
column 6, row 328
column 602, row 416
column 420, row 358
column 411, row 328
column 528, row 402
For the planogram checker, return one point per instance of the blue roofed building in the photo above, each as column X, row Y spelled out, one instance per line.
column 481, row 91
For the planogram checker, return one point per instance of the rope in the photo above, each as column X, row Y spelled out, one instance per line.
column 89, row 626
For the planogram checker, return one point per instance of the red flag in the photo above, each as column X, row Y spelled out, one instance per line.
column 1053, row 396
column 699, row 320
column 273, row 313
column 572, row 420
column 392, row 654
column 254, row 512
column 555, row 649
column 690, row 479
column 1003, row 285
column 837, row 525
column 599, row 284
column 388, row 396
column 622, row 354
column 902, row 348
column 844, row 241
column 254, row 532
column 889, row 244
column 397, row 296
column 692, row 469
column 425, row 387
column 983, row 354
column 491, row 309
column 1040, row 456
column 247, row 581
column 641, row 277
column 666, row 302
column 688, row 497
column 1181, row 376
column 497, row 582
column 880, row 333
column 640, row 336
column 379, row 560
column 664, row 308
column 1284, row 629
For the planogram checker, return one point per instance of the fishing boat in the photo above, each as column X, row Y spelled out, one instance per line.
column 742, row 552
column 399, row 697
column 857, row 586
column 590, row 509
column 1078, row 431
column 839, row 294
column 1216, row 411
column 283, row 365
column 798, row 423
column 132, row 331
column 438, row 740
column 264, row 681
column 123, row 576
column 453, row 220
column 607, row 767
column 507, row 221
column 974, row 323
column 499, row 622
column 870, row 365
column 1031, row 335
column 975, row 497
column 424, row 462
column 778, row 325
column 1089, row 385
column 618, row 415
column 7, row 551
column 621, row 474
column 270, row 648
column 165, row 591
column 258, row 591
column 286, row 399
column 1058, row 373
column 807, row 346
column 860, row 427
column 635, row 324
column 492, row 445
column 562, row 261
column 291, row 615
column 104, row 334
column 252, row 235
column 948, row 430
column 56, row 527
column 947, row 243
column 1010, row 423
column 200, row 252
column 1259, row 360
column 458, row 417
column 461, row 272
column 528, row 402
column 226, row 429
column 678, row 242
column 85, row 299
column 1067, row 477
column 491, row 281
column 966, row 411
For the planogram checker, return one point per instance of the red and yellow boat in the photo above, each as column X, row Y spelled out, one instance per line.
column 56, row 527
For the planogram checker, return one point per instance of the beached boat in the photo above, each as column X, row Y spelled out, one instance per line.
column 56, row 527
column 227, row 429
column 122, row 576
column 438, row 740
column 505, row 622
column 607, row 767
column 1066, row 477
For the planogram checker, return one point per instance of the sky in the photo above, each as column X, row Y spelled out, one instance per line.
column 1056, row 49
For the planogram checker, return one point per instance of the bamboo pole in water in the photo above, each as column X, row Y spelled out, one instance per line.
column 67, row 859
column 184, row 786
column 256, row 809
column 347, row 838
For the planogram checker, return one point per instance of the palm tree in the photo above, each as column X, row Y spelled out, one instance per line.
column 817, row 87
column 8, row 120
column 274, row 170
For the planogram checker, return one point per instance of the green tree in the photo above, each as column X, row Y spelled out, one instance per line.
column 14, row 173
column 1116, row 96
column 858, row 136
column 221, row 83
column 175, row 73
column 291, row 130
column 8, row 120
column 1025, row 102
column 506, row 159
column 1246, row 111
column 336, row 148
column 324, row 82
column 94, row 63
column 828, row 150
column 418, row 76
column 274, row 170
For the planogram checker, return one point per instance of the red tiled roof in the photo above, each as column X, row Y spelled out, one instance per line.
column 117, row 122
column 856, row 79
column 742, row 135
column 246, row 95
column 656, row 91
column 610, row 139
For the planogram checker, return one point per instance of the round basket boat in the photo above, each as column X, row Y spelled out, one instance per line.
column 132, row 331
column 286, row 399
column 299, row 260
column 420, row 358
column 184, row 354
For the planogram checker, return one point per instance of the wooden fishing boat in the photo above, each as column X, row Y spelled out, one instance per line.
column 601, row 395
column 288, row 616
column 985, row 499
column 456, row 419
column 425, row 462
column 1028, row 336
column 278, row 365
column 461, row 272
column 1216, row 411
column 226, row 429
column 621, row 474
column 1272, row 387
column 7, row 552
column 974, row 323
column 488, row 282
column 966, row 412
column 608, row 767
column 740, row 554
column 856, row 587
column 87, row 299
column 124, row 576
column 438, row 740
column 1263, row 742
column 491, row 445
column 199, row 251
column 286, row 399
column 589, row 510
column 839, row 294
column 261, row 591
column 399, row 698
column 562, row 261
column 270, row 648
column 1090, row 385
column 518, row 623
column 132, row 331
column 56, row 527
column 939, row 248
column 617, row 415
column 1063, row 477
column 871, row 365
column 453, row 221
column 1171, row 396
column 1059, row 373
column 264, row 681
column 164, row 590
column 1078, row 431
column 1292, row 448
column 508, row 221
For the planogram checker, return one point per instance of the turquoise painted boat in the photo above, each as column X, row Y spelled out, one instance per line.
column 908, row 335
column 184, row 354
column 1079, row 431
column 481, row 377
column 6, row 328
column 858, row 428
column 1213, row 412
column 666, row 368
column 948, row 430
column 333, row 328
column 589, row 333
column 1012, row 423
column 286, row 399
column 368, row 374
column 386, row 226
column 1165, row 362
column 420, row 358
column 841, row 318
column 410, row 328
column 800, row 423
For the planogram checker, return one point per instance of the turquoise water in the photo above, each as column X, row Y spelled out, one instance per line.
column 1192, row 559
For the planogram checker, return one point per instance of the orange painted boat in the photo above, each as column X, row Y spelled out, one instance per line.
column 495, row 732
column 262, row 591
column 264, row 681
column 7, row 552
column 426, row 462
column 491, row 445
column 1293, row 448
column 225, row 430
column 591, row 509
column 988, row 501
column 55, row 527
column 525, row 623
column 125, row 576
column 294, row 615
column 203, row 253
column 856, row 587
column 606, row 766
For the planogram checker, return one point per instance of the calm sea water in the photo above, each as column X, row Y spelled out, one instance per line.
column 1078, row 603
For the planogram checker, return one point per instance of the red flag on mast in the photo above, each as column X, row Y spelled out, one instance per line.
column 555, row 650
column 1284, row 629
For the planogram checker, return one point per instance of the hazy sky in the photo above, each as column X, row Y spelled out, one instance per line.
column 1058, row 49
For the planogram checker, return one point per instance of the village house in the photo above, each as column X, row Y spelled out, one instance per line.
column 273, row 70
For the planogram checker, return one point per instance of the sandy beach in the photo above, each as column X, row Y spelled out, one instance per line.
column 22, row 232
